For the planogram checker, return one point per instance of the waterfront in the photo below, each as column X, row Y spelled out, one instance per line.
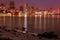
column 35, row 24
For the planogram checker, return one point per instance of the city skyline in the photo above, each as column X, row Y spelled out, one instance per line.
column 36, row 3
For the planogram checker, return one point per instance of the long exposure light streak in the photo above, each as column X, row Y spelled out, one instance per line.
column 10, row 20
column 44, row 24
column 35, row 22
column 40, row 26
column 19, row 19
column 25, row 23
column 4, row 20
column 53, row 18
column 13, row 20
column 58, row 20
column 48, row 16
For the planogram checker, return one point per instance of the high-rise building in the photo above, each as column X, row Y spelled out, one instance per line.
column 12, row 5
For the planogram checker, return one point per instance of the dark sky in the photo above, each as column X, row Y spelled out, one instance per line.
column 36, row 3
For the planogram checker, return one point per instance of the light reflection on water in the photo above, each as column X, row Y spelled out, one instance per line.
column 34, row 24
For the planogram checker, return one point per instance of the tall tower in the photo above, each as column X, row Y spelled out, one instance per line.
column 12, row 5
column 26, row 7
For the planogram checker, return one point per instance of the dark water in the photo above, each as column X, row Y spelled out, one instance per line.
column 34, row 24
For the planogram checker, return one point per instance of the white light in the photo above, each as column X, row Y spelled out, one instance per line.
column 19, row 14
column 39, row 13
column 8, row 14
column 25, row 15
column 45, row 12
column 25, row 23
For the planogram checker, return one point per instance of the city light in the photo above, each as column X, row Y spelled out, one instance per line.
column 11, row 10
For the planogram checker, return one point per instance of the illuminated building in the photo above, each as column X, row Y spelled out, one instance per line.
column 2, row 8
column 32, row 10
column 58, row 11
column 50, row 10
column 16, row 12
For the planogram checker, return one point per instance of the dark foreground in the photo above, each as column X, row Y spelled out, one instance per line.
column 15, row 34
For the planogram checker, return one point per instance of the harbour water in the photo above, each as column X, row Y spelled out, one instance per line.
column 35, row 24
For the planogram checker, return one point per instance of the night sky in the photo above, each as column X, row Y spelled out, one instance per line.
column 36, row 3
